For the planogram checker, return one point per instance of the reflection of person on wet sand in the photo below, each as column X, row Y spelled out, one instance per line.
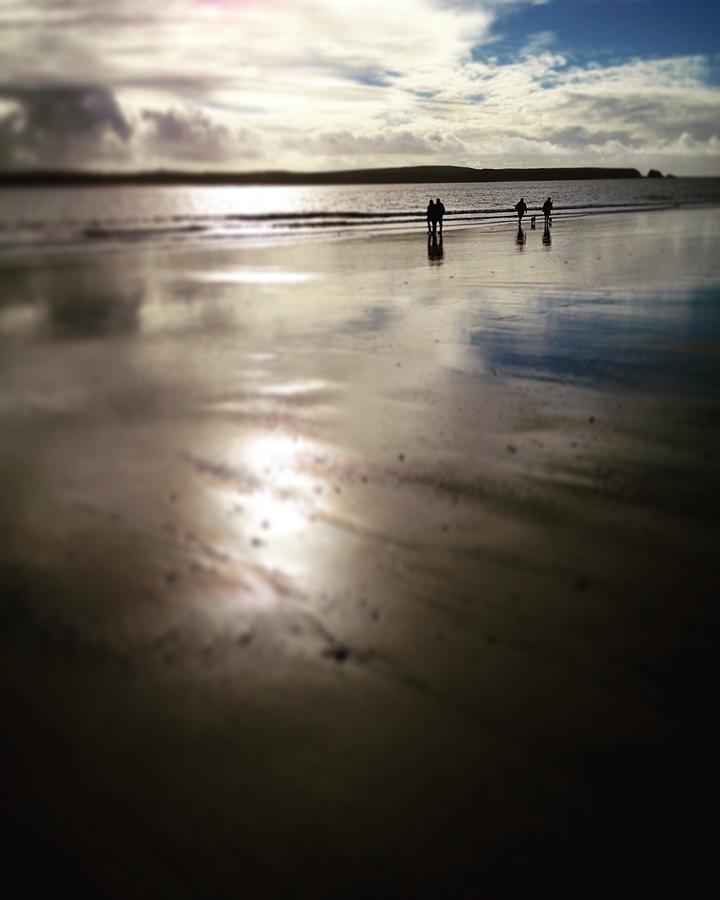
column 546, row 239
column 430, row 215
column 520, row 239
column 435, row 247
column 521, row 209
column 547, row 211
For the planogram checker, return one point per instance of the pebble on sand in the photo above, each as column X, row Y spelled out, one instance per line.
column 338, row 653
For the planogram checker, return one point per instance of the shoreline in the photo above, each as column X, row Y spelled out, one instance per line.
column 183, row 240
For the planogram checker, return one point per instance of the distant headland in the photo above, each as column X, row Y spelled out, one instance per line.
column 397, row 175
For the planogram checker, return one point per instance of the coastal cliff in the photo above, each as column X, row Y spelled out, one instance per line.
column 398, row 175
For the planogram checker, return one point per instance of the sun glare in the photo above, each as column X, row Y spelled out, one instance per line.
column 272, row 514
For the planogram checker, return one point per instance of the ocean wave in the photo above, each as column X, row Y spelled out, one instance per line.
column 131, row 233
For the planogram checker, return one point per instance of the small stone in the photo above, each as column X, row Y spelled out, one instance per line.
column 401, row 457
column 339, row 653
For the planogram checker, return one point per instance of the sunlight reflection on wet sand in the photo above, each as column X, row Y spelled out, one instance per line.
column 258, row 276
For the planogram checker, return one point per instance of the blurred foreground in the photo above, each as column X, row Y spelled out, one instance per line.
column 348, row 568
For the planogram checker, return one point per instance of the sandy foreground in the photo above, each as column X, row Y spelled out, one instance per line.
column 343, row 568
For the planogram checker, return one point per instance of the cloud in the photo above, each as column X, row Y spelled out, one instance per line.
column 385, row 142
column 318, row 84
column 537, row 43
column 58, row 124
column 578, row 137
column 186, row 135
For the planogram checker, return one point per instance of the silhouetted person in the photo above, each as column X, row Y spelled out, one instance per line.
column 439, row 212
column 431, row 220
column 435, row 247
column 547, row 211
column 520, row 209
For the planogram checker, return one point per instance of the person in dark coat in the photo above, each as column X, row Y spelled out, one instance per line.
column 439, row 213
column 521, row 209
column 547, row 208
column 431, row 219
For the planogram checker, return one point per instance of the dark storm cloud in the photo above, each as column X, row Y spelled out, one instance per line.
column 59, row 124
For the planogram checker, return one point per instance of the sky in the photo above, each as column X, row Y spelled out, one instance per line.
column 315, row 85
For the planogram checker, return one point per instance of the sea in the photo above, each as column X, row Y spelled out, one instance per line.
column 67, row 219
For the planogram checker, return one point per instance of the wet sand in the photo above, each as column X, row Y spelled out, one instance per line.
column 343, row 568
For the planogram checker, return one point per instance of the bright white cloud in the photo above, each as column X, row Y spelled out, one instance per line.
column 316, row 84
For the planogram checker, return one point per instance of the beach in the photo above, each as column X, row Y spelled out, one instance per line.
column 363, row 566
